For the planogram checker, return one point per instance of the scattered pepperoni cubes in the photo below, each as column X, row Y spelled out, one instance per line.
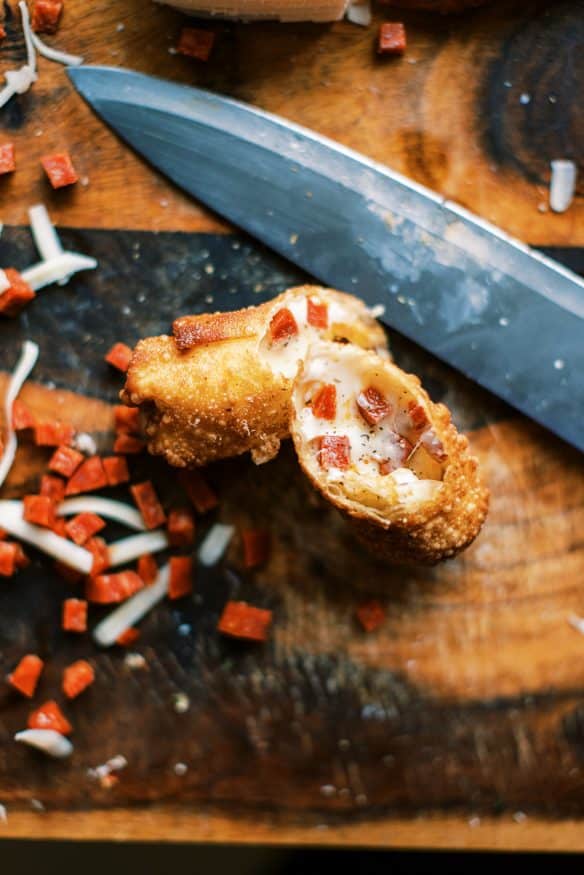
column 74, row 616
column 119, row 357
column 25, row 676
column 196, row 43
column 8, row 558
column 17, row 295
column 181, row 527
column 107, row 589
column 392, row 38
column 334, row 451
column 65, row 461
column 53, row 434
column 88, row 477
column 22, row 418
column 77, row 677
column 52, row 487
column 59, row 168
column 256, row 547
column 127, row 419
column 324, row 402
column 7, row 158
column 128, row 637
column 83, row 527
column 46, row 15
column 181, row 577
column 39, row 510
column 147, row 568
column 198, row 490
column 240, row 620
column 148, row 504
column 316, row 313
column 128, row 444
column 116, row 470
column 283, row 325
column 373, row 405
column 49, row 716
column 371, row 615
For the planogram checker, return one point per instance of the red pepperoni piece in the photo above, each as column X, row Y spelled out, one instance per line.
column 283, row 325
column 148, row 504
column 88, row 477
column 17, row 295
column 316, row 313
column 7, row 157
column 324, row 402
column 74, row 616
column 119, row 357
column 49, row 716
column 241, row 620
column 334, row 451
column 107, row 589
column 371, row 615
column 180, row 582
column 373, row 406
column 65, row 461
column 392, row 38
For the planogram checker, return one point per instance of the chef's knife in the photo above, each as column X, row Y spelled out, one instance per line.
column 507, row 317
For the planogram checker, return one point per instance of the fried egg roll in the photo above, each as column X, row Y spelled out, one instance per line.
column 221, row 386
column 374, row 444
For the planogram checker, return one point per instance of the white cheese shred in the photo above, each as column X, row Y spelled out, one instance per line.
column 50, row 742
column 562, row 185
column 28, row 36
column 359, row 13
column 105, row 507
column 4, row 281
column 43, row 232
column 19, row 81
column 24, row 366
column 59, row 268
column 54, row 54
column 43, row 539
column 128, row 549
column 215, row 543
column 132, row 611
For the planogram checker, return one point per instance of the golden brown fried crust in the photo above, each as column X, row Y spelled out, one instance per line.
column 444, row 6
column 218, row 398
column 422, row 533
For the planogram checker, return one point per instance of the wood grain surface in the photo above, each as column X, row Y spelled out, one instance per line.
column 461, row 722
column 448, row 114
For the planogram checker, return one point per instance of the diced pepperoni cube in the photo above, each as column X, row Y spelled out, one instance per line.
column 127, row 419
column 128, row 637
column 7, row 158
column 373, row 405
column 25, row 676
column 59, row 527
column 116, row 470
column 128, row 444
column 39, row 510
column 45, row 15
column 334, row 451
column 87, row 478
column 196, row 43
column 181, row 577
column 77, row 677
column 17, row 295
column 317, row 313
column 147, row 568
column 2, row 33
column 98, row 548
column 82, row 527
column 324, row 402
column 119, row 357
column 283, row 325
column 74, row 618
column 8, row 556
column 52, row 487
column 107, row 589
column 53, row 434
column 59, row 168
column 49, row 716
column 256, row 547
column 371, row 615
column 392, row 38
column 22, row 418
column 65, row 461
column 181, row 527
column 240, row 620
column 198, row 490
column 418, row 416
column 148, row 504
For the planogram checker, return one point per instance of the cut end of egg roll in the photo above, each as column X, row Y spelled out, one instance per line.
column 221, row 386
column 374, row 444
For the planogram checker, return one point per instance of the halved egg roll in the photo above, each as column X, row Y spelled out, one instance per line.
column 374, row 444
column 222, row 385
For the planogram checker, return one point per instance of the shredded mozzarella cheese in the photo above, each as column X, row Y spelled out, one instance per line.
column 4, row 281
column 44, row 233
column 54, row 54
column 105, row 507
column 50, row 742
column 28, row 36
column 359, row 13
column 132, row 611
column 215, row 544
column 61, row 267
column 131, row 548
column 562, row 185
column 24, row 366
column 43, row 539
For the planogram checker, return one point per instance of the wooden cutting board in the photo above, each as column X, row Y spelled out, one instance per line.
column 460, row 723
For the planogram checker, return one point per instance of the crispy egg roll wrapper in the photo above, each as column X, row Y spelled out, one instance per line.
column 220, row 387
column 430, row 502
column 281, row 10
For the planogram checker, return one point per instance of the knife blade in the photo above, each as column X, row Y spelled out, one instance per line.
column 505, row 316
